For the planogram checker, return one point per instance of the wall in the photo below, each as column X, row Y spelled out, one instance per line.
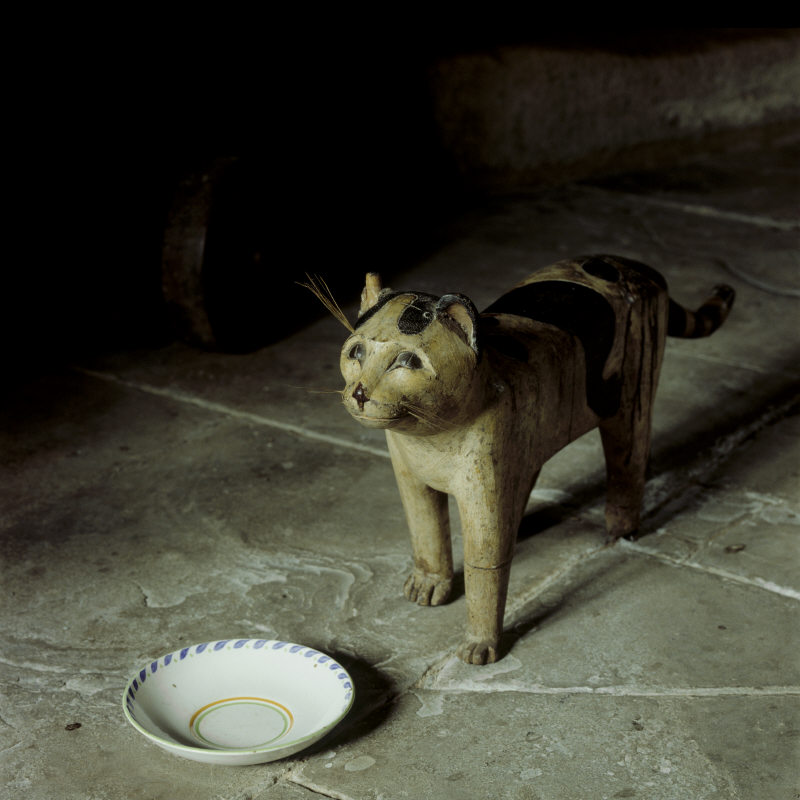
column 522, row 113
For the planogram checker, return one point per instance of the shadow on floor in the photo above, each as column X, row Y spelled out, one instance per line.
column 372, row 705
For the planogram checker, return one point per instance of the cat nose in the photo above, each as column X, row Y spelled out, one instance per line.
column 360, row 396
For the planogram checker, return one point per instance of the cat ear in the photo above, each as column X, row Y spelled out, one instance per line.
column 370, row 292
column 463, row 312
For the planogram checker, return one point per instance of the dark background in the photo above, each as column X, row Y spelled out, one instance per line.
column 338, row 170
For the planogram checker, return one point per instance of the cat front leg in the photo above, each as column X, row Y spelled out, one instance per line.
column 486, row 590
column 490, row 513
column 428, row 517
column 427, row 514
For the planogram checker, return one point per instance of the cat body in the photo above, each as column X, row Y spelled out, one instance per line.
column 474, row 404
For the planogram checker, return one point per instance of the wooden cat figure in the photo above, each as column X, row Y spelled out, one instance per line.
column 474, row 404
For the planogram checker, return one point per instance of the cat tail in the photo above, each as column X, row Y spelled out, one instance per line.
column 703, row 322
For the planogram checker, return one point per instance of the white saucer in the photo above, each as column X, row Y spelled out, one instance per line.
column 238, row 701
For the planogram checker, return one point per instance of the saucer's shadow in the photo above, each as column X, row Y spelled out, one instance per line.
column 372, row 705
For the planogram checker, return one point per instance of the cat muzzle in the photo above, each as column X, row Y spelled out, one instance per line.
column 360, row 396
column 378, row 414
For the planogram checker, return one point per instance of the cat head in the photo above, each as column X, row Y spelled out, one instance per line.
column 410, row 362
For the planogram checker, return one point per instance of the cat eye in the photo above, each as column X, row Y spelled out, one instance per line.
column 356, row 352
column 408, row 360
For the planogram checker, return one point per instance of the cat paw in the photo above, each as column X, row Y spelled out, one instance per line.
column 426, row 589
column 621, row 522
column 473, row 652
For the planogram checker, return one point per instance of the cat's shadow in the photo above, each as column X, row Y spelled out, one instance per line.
column 555, row 601
column 538, row 520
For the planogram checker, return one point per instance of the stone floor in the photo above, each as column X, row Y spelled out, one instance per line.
column 156, row 499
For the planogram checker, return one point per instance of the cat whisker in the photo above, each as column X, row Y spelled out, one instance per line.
column 429, row 417
column 317, row 286
column 319, row 391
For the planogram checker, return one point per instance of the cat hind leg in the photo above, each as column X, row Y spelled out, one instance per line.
column 626, row 435
column 626, row 448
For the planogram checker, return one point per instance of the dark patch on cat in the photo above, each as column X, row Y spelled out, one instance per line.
column 596, row 266
column 581, row 312
column 412, row 314
column 422, row 309
column 419, row 313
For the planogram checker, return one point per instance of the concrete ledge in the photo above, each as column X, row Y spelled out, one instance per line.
column 525, row 114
